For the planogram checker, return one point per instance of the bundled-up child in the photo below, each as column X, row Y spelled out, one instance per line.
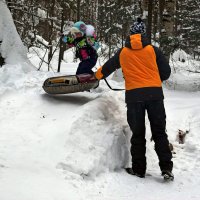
column 83, row 38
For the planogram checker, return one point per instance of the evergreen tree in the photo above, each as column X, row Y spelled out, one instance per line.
column 189, row 25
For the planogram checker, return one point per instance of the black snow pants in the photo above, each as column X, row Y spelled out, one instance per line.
column 85, row 66
column 136, row 120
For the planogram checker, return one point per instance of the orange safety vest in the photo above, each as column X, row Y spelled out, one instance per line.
column 139, row 65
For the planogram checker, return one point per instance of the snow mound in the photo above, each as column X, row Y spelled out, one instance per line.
column 14, row 73
column 98, row 140
column 180, row 55
column 184, row 81
column 12, row 48
column 18, row 78
column 185, row 74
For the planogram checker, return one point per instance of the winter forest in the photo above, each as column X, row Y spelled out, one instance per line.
column 172, row 24
column 75, row 146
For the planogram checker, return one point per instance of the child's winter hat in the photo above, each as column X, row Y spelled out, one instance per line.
column 138, row 27
column 78, row 27
column 75, row 30
column 90, row 30
column 81, row 26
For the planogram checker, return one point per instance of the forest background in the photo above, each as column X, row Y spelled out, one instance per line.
column 171, row 24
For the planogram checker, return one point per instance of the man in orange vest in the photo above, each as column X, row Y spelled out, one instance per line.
column 144, row 68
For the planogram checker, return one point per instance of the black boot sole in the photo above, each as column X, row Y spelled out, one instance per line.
column 131, row 172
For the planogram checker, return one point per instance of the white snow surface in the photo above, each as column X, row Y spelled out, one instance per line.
column 185, row 74
column 74, row 147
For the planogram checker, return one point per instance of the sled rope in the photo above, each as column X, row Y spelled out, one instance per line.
column 114, row 89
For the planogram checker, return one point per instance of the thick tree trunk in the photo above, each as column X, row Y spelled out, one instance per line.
column 167, row 12
column 168, row 17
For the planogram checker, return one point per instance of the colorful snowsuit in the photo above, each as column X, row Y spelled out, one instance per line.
column 144, row 68
column 85, row 51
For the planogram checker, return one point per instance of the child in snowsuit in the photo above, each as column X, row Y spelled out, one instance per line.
column 84, row 40
column 144, row 68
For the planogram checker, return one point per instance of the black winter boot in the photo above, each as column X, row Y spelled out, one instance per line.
column 167, row 175
column 130, row 171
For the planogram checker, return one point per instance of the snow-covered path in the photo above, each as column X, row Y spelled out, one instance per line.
column 75, row 146
column 37, row 141
column 33, row 132
column 30, row 121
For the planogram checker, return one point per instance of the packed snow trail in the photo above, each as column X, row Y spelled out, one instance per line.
column 74, row 146
column 33, row 132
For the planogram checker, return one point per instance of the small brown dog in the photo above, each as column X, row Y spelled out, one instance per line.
column 181, row 136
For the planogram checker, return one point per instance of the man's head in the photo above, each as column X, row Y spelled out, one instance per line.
column 138, row 27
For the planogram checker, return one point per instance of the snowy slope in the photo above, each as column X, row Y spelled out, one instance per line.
column 75, row 146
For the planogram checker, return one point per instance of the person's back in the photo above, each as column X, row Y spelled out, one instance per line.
column 144, row 68
column 139, row 66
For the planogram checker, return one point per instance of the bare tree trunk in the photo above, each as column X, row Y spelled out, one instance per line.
column 78, row 10
column 150, row 8
column 161, row 9
column 176, row 19
column 62, row 49
column 144, row 6
column 155, row 20
column 51, row 14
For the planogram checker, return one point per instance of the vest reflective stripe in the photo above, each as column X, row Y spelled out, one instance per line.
column 140, row 68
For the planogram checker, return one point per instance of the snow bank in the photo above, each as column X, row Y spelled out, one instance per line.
column 13, row 75
column 180, row 55
column 185, row 74
column 14, row 78
column 184, row 81
column 12, row 48
column 98, row 139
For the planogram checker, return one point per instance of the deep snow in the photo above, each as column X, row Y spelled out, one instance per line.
column 74, row 147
